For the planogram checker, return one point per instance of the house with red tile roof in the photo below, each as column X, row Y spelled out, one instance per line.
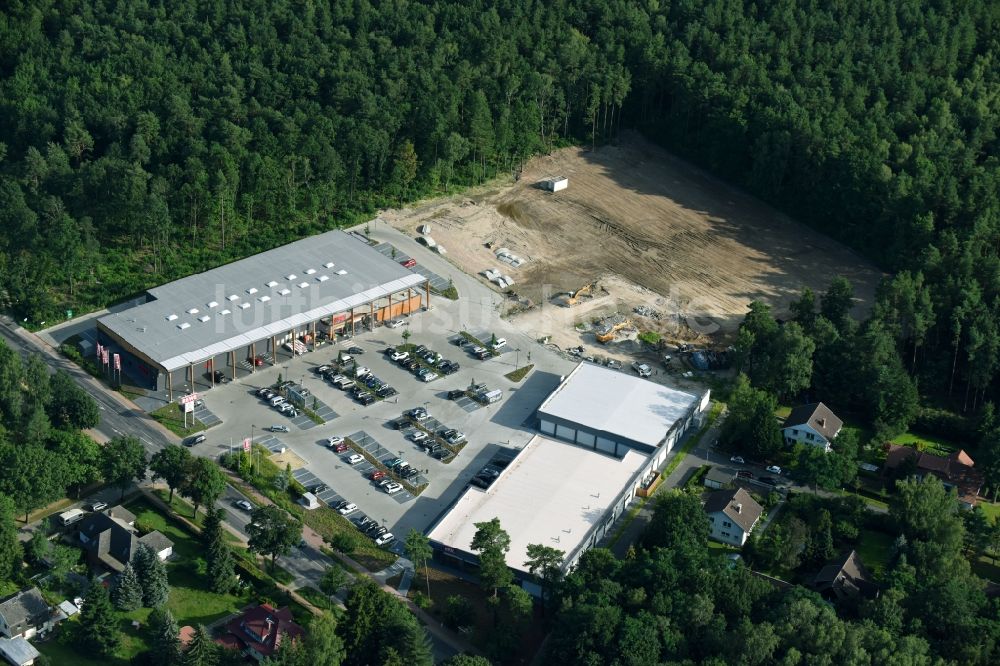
column 258, row 632
column 955, row 471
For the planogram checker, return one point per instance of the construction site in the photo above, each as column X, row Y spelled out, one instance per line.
column 633, row 240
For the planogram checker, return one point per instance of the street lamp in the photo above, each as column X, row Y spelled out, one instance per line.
column 517, row 357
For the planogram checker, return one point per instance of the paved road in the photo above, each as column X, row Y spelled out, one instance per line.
column 306, row 564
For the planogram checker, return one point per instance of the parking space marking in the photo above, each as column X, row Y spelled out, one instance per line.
column 437, row 282
column 271, row 443
column 207, row 418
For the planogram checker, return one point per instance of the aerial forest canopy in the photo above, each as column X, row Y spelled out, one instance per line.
column 144, row 140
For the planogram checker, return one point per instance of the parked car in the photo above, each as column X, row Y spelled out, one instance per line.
column 499, row 344
column 355, row 350
column 347, row 509
column 321, row 369
column 279, row 428
column 98, row 506
column 455, row 394
column 738, row 460
column 643, row 369
column 219, row 377
column 386, row 392
column 449, row 367
column 379, row 531
column 340, row 448
column 409, row 263
column 377, row 474
column 261, row 391
column 334, row 441
column 774, row 469
column 344, row 358
column 744, row 474
column 455, row 438
column 399, row 355
column 430, row 376
column 366, row 399
column 418, row 436
column 243, row 504
column 197, row 439
column 392, row 488
column 318, row 488
column 419, row 414
column 614, row 365
column 355, row 458
column 394, row 323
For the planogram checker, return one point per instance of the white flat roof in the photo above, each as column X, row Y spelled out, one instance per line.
column 617, row 403
column 552, row 494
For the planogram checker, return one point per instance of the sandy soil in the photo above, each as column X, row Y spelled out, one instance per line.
column 648, row 228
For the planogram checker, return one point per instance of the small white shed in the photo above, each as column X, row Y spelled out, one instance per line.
column 556, row 184
column 424, row 228
column 309, row 501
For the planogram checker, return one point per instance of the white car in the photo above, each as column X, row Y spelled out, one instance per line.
column 478, row 350
column 456, row 438
column 334, row 441
column 643, row 369
column 738, row 460
column 430, row 376
column 384, row 539
column 348, row 509
column 399, row 356
column 393, row 487
column 361, row 372
column 418, row 436
column 243, row 504
column 394, row 323
column 774, row 469
column 355, row 458
column 346, row 358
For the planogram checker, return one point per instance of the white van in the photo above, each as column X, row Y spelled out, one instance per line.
column 277, row 400
column 499, row 344
column 71, row 516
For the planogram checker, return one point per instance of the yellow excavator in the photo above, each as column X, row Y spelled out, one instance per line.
column 572, row 298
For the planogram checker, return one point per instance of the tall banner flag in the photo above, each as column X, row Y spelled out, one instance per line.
column 100, row 350
column 118, row 362
column 104, row 357
column 246, row 444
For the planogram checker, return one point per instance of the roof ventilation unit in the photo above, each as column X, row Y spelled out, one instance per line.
column 193, row 311
column 204, row 318
column 264, row 299
column 252, row 290
column 329, row 264
column 322, row 278
column 232, row 297
column 183, row 325
column 303, row 285
column 171, row 317
column 285, row 291
column 212, row 304
column 272, row 284
column 341, row 272
column 291, row 276
column 244, row 306
column 310, row 271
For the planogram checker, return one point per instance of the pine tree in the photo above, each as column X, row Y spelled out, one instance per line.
column 201, row 651
column 98, row 624
column 127, row 595
column 218, row 556
column 164, row 638
column 152, row 575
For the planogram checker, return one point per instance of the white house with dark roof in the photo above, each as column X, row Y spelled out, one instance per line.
column 24, row 614
column 814, row 425
column 18, row 651
column 732, row 515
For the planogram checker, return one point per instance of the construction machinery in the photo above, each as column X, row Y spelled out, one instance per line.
column 607, row 328
column 571, row 298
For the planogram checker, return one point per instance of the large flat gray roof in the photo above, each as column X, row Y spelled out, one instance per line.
column 209, row 313
column 614, row 402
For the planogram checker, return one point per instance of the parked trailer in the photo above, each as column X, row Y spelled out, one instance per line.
column 490, row 397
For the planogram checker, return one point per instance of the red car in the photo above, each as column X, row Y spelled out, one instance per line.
column 409, row 263
column 340, row 448
column 377, row 474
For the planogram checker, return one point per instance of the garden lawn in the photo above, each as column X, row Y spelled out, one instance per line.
column 933, row 445
column 991, row 510
column 874, row 549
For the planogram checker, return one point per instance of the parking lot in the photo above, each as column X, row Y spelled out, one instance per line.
column 487, row 428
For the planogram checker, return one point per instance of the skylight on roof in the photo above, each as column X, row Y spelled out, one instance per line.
column 310, row 271
column 171, row 317
column 291, row 276
column 183, row 325
column 303, row 285
column 252, row 290
column 272, row 283
column 285, row 291
column 341, row 272
column 204, row 318
column 193, row 311
column 213, row 304
column 329, row 264
column 264, row 299
column 322, row 278
column 244, row 306
column 232, row 297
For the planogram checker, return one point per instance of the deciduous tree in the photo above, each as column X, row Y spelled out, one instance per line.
column 123, row 460
column 172, row 464
column 204, row 484
column 273, row 532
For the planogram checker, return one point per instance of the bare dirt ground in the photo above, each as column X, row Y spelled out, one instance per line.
column 650, row 229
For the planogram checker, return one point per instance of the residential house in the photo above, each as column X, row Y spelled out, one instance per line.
column 732, row 514
column 258, row 632
column 957, row 470
column 845, row 578
column 24, row 614
column 813, row 424
column 111, row 539
column 18, row 651
column 719, row 477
